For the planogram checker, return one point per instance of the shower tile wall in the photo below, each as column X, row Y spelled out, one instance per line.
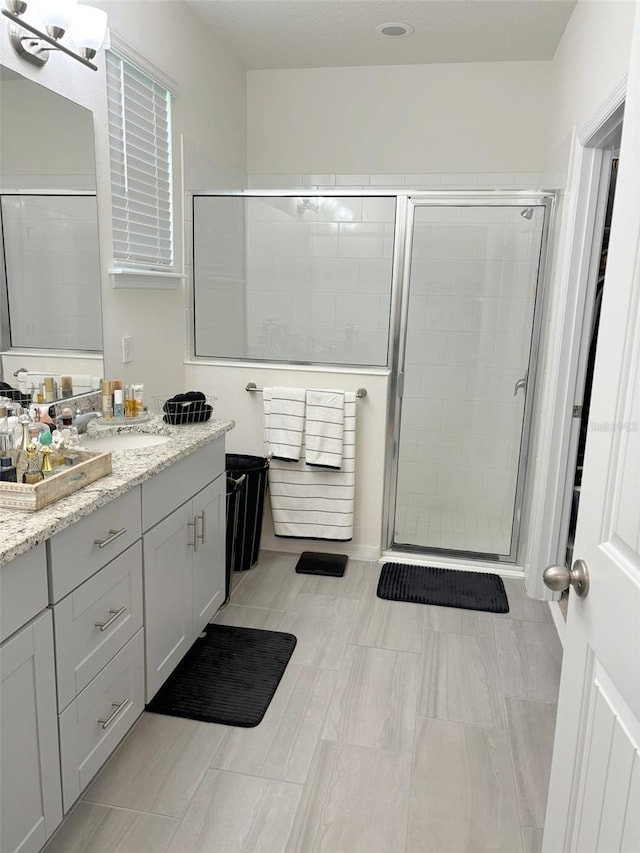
column 294, row 278
column 319, row 278
column 473, row 279
column 53, row 271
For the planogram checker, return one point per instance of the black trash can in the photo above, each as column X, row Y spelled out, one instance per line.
column 246, row 488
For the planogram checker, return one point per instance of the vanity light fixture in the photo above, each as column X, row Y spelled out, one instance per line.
column 37, row 28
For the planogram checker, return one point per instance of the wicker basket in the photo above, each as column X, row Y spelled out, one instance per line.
column 185, row 408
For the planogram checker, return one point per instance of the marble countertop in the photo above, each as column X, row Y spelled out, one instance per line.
column 20, row 531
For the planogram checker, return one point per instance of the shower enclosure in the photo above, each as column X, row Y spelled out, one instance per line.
column 467, row 337
column 440, row 288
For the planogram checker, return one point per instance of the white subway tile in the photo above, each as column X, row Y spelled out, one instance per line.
column 316, row 240
column 378, row 209
column 336, row 274
column 352, row 180
column 431, row 277
column 361, row 240
column 375, row 275
column 444, row 383
column 324, row 180
column 387, row 180
column 449, row 313
column 458, row 480
column 469, row 348
column 426, row 347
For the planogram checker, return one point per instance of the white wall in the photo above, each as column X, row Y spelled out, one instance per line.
column 209, row 109
column 468, row 117
column 228, row 385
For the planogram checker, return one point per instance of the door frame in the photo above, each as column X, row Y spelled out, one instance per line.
column 569, row 312
column 402, row 271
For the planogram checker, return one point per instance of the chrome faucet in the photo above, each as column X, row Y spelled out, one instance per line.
column 81, row 420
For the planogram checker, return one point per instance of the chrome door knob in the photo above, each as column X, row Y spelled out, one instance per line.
column 559, row 578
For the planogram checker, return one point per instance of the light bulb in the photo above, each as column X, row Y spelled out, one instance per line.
column 56, row 15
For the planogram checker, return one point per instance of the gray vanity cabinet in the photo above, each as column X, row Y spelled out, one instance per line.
column 30, row 806
column 184, row 557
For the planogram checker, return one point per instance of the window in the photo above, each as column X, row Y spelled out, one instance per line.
column 303, row 279
column 139, row 111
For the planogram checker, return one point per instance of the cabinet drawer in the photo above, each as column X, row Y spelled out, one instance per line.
column 94, row 723
column 170, row 488
column 78, row 552
column 95, row 621
column 23, row 590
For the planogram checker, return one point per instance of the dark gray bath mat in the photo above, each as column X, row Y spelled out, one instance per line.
column 444, row 587
column 313, row 563
column 228, row 676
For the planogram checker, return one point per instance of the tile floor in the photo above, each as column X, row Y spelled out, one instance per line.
column 396, row 728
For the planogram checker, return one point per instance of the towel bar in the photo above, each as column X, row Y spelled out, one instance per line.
column 251, row 386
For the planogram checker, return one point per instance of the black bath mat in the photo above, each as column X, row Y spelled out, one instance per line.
column 445, row 587
column 228, row 676
column 314, row 563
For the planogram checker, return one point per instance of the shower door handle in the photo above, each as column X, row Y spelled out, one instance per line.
column 521, row 383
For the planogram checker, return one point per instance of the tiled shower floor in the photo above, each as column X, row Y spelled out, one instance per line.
column 397, row 727
column 457, row 530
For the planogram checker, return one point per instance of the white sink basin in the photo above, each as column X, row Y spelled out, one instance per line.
column 125, row 441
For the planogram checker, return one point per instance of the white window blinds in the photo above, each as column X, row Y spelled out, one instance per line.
column 139, row 112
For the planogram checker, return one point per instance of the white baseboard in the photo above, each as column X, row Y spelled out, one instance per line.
column 366, row 553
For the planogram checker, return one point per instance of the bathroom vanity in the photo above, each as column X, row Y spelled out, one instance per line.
column 101, row 594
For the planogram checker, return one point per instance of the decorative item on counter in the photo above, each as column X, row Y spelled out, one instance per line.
column 8, row 472
column 57, row 441
column 107, row 402
column 66, row 417
column 33, row 473
column 189, row 408
column 66, row 386
column 47, row 464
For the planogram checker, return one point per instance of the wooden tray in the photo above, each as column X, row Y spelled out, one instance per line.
column 92, row 467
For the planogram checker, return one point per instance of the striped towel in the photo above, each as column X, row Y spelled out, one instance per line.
column 324, row 428
column 316, row 503
column 283, row 422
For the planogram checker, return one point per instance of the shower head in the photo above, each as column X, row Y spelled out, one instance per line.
column 527, row 213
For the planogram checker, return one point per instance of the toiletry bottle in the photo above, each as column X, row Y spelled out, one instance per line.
column 6, row 438
column 129, row 402
column 66, row 386
column 47, row 463
column 33, row 474
column 7, row 470
column 118, row 403
column 49, row 389
column 107, row 405
column 138, row 393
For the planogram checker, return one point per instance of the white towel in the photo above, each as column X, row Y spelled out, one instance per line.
column 283, row 422
column 316, row 503
column 324, row 428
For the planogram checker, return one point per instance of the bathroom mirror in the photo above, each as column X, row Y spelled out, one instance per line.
column 50, row 293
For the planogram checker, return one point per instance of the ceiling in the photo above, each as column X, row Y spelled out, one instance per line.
column 330, row 33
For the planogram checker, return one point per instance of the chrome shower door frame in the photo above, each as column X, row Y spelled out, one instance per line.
column 407, row 205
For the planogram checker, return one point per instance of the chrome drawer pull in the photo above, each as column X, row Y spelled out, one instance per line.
column 114, row 615
column 203, row 518
column 102, row 543
column 118, row 707
column 194, row 524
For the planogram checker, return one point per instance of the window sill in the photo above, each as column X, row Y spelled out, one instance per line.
column 145, row 279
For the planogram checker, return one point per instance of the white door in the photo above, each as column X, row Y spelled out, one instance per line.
column 594, row 795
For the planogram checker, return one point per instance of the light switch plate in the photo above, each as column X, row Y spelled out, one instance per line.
column 127, row 354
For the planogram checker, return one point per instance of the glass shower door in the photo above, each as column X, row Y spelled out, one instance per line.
column 468, row 334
